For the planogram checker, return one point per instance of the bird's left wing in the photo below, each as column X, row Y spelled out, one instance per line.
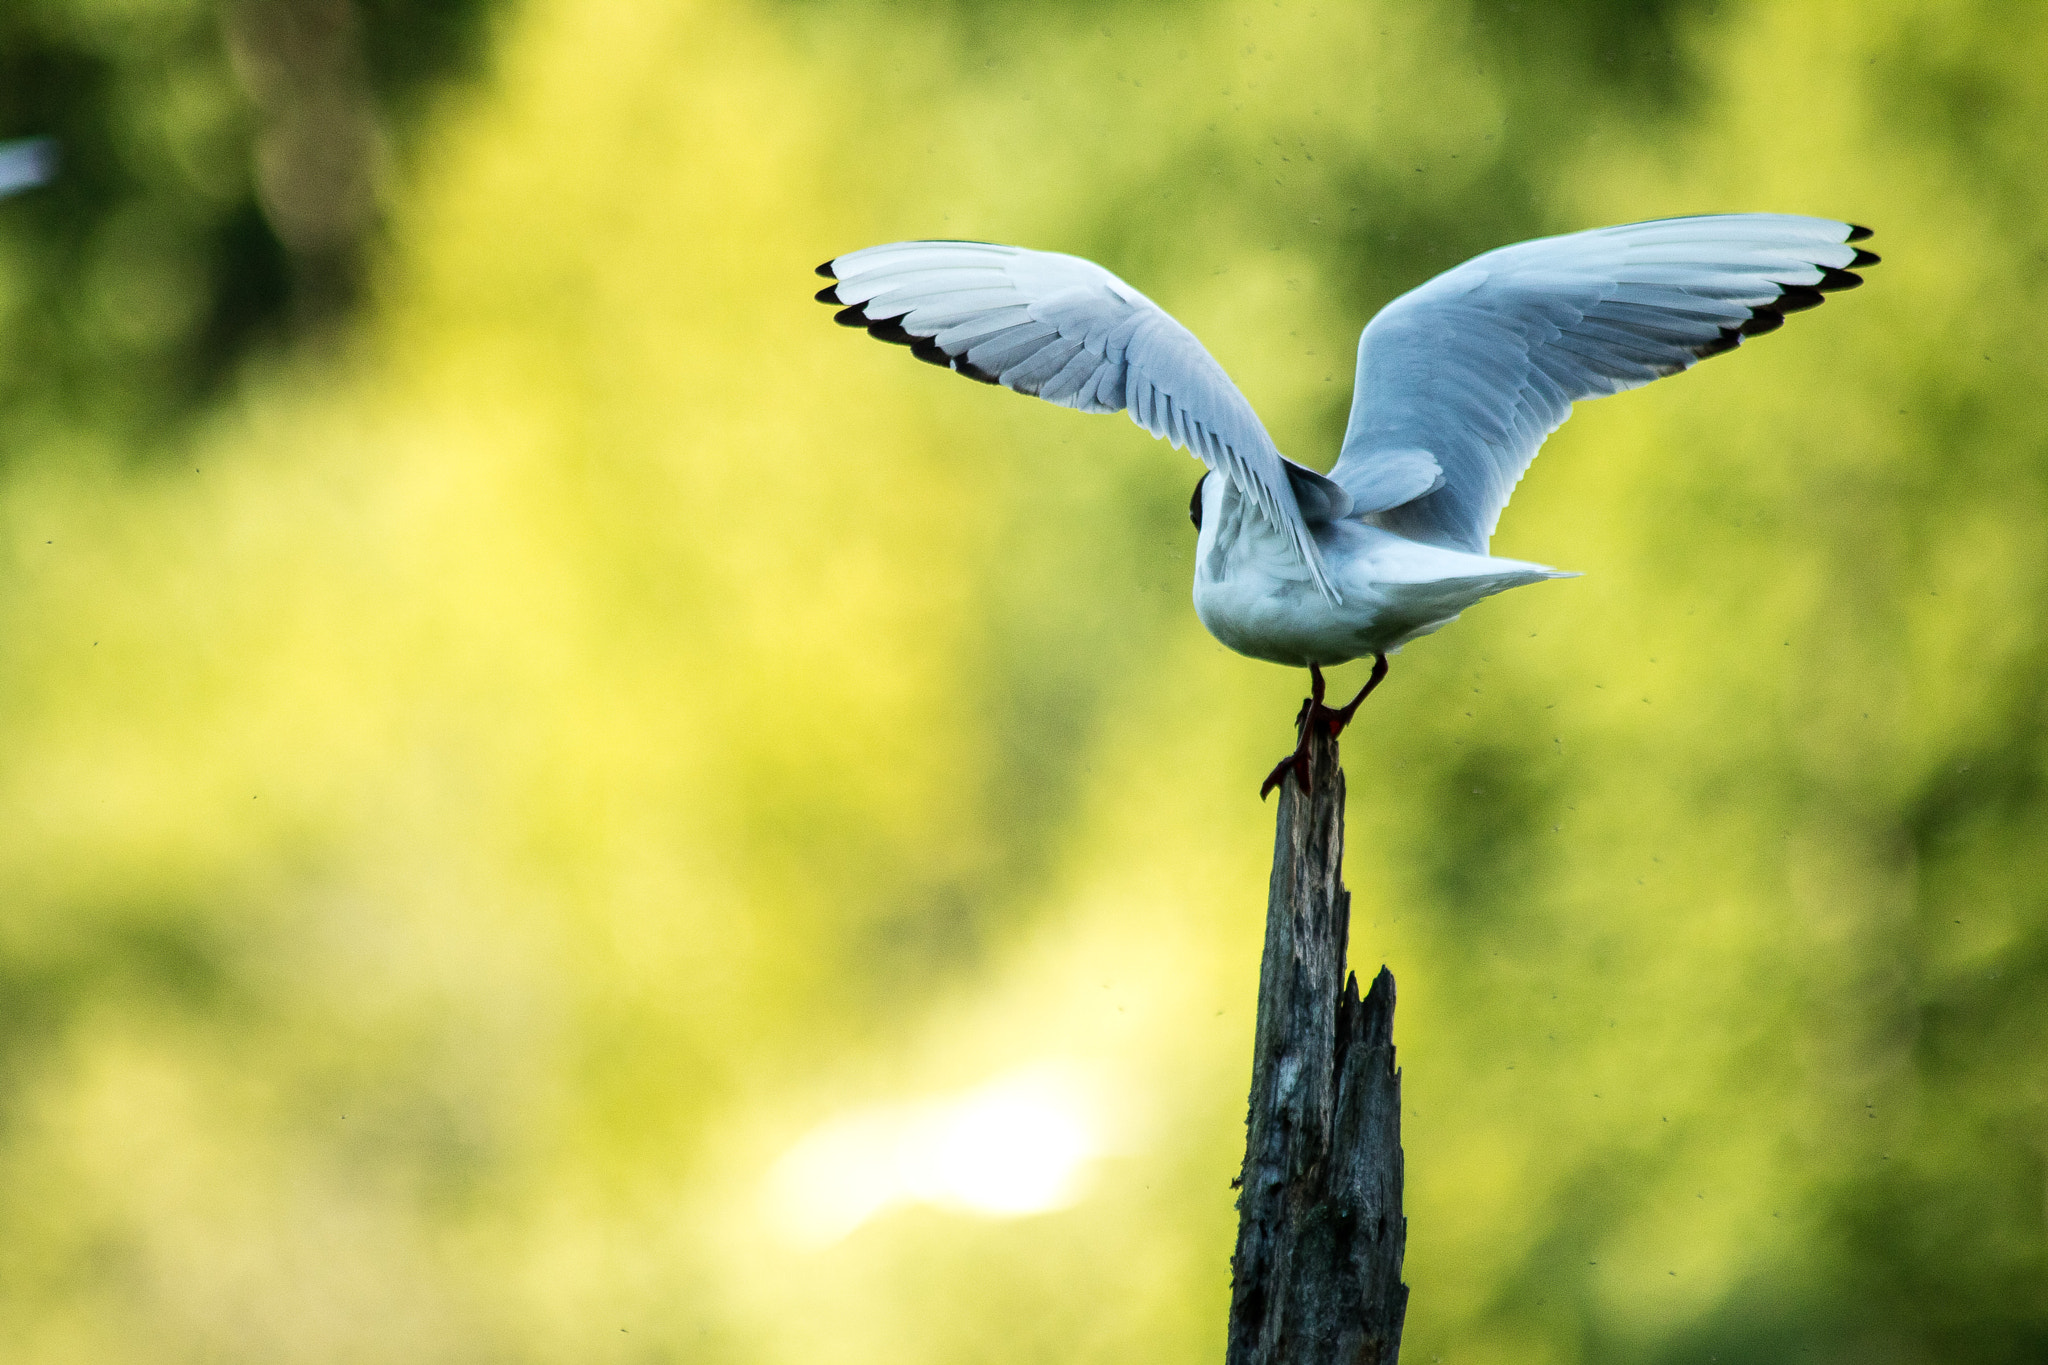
column 1066, row 330
column 1461, row 379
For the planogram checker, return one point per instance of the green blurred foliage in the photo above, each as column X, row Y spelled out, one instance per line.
column 224, row 164
column 502, row 775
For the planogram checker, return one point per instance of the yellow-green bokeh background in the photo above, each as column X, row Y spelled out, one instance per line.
column 509, row 771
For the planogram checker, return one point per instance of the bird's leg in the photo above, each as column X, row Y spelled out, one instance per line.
column 1313, row 702
column 1341, row 717
column 1312, row 709
column 1312, row 714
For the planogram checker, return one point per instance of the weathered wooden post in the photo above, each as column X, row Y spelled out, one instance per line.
column 1317, row 1275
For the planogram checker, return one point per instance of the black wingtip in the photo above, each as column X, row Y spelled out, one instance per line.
column 1761, row 321
column 1730, row 338
column 891, row 331
column 1792, row 298
column 930, row 352
column 829, row 273
column 1797, row 298
column 829, row 294
column 1857, row 234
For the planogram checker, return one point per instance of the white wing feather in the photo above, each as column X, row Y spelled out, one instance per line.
column 1068, row 331
column 1475, row 368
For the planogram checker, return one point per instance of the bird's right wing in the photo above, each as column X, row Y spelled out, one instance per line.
column 1068, row 331
column 1460, row 380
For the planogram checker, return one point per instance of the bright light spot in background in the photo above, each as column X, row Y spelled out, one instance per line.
column 1015, row 1146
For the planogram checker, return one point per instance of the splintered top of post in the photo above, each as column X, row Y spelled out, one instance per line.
column 1317, row 1275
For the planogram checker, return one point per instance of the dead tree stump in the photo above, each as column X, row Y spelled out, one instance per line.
column 1317, row 1275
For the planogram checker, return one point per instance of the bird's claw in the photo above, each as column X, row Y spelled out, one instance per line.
column 1312, row 714
column 1296, row 763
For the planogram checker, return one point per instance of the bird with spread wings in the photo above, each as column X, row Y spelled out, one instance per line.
column 1459, row 381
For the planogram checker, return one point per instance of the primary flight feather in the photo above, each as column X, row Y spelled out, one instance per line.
column 1459, row 381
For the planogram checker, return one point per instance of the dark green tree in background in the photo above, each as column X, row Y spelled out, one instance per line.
column 223, row 165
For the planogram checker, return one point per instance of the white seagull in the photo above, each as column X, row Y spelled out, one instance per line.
column 1459, row 381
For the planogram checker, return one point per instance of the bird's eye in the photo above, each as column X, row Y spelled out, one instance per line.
column 1195, row 503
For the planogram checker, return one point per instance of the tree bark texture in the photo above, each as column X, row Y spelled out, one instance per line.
column 1317, row 1275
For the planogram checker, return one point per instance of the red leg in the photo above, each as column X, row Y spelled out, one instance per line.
column 1313, row 713
column 1341, row 717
